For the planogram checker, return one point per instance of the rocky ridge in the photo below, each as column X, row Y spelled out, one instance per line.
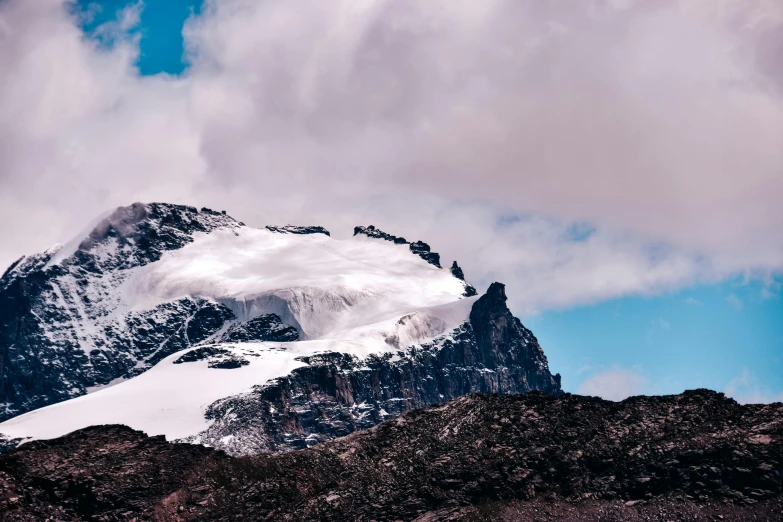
column 694, row 456
column 420, row 248
column 336, row 394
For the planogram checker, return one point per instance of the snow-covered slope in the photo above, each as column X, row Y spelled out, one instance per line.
column 170, row 399
column 161, row 313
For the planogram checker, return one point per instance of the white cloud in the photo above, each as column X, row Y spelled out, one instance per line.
column 434, row 120
column 615, row 384
column 746, row 389
column 735, row 301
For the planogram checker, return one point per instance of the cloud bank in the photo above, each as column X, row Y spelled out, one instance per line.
column 493, row 130
column 746, row 389
column 615, row 384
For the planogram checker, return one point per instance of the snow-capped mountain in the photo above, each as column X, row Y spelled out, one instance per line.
column 190, row 324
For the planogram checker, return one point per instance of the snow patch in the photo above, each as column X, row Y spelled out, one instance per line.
column 169, row 399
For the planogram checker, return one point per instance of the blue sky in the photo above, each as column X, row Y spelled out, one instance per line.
column 704, row 336
column 160, row 29
column 724, row 336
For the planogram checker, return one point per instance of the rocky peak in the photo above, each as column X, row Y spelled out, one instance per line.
column 496, row 295
column 457, row 272
column 371, row 231
column 139, row 233
column 504, row 340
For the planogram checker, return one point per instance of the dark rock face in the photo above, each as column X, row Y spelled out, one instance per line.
column 697, row 455
column 293, row 229
column 147, row 337
column 457, row 272
column 337, row 394
column 694, row 447
column 264, row 328
column 99, row 473
column 514, row 345
column 49, row 349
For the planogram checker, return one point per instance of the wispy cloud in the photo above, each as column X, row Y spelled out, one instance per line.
column 432, row 119
column 615, row 384
column 746, row 389
column 735, row 301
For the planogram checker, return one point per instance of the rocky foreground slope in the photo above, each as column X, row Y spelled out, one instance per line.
column 694, row 456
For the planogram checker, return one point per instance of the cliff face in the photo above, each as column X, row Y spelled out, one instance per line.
column 694, row 456
column 337, row 394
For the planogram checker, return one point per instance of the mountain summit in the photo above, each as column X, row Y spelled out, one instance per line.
column 189, row 324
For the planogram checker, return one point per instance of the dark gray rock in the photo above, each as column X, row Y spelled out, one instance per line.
column 200, row 354
column 293, row 229
column 264, row 328
column 422, row 249
column 419, row 248
column 457, row 272
column 371, row 231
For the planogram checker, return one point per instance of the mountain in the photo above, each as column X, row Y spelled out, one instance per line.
column 694, row 456
column 189, row 324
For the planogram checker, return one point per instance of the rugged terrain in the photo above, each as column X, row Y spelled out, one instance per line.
column 188, row 323
column 694, row 456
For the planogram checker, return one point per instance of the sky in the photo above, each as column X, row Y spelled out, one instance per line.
column 624, row 185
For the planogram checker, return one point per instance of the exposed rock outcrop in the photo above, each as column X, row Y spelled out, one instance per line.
column 420, row 248
column 293, row 229
column 264, row 328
